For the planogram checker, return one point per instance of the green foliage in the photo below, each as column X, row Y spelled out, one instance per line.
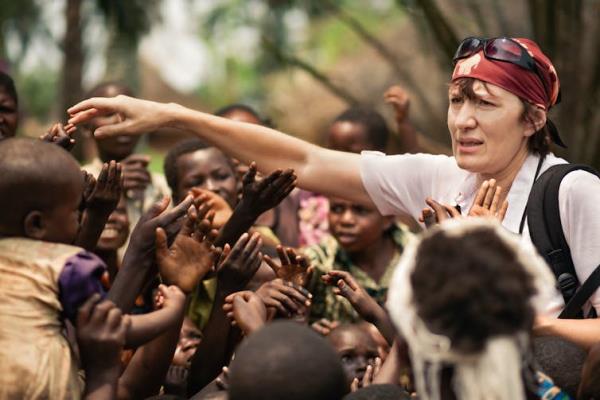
column 37, row 93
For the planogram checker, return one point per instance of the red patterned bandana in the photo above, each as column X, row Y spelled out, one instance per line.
column 517, row 80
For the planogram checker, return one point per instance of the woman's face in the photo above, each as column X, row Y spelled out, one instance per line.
column 487, row 132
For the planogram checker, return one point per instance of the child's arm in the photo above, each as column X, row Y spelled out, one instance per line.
column 147, row 369
column 237, row 267
column 101, row 330
column 345, row 286
column 246, row 310
column 59, row 136
column 257, row 197
column 139, row 262
column 101, row 197
column 146, row 327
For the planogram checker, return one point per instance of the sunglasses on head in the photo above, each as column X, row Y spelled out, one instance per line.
column 499, row 49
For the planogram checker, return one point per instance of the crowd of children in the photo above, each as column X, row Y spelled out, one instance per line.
column 217, row 281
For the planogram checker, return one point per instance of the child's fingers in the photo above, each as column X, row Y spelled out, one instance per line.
column 83, row 314
column 189, row 222
column 354, row 385
column 368, row 376
column 271, row 263
column 282, row 255
column 452, row 211
column 250, row 176
column 113, row 318
column 162, row 248
column 377, row 366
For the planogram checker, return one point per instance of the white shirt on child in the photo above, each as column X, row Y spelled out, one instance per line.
column 400, row 183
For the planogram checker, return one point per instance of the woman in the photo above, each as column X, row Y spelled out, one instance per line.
column 500, row 93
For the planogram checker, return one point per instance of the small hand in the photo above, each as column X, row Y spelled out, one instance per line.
column 346, row 286
column 218, row 205
column 487, row 202
column 176, row 380
column 324, row 326
column 246, row 310
column 57, row 134
column 103, row 194
column 101, row 331
column 284, row 296
column 190, row 257
column 398, row 98
column 238, row 265
column 437, row 213
column 136, row 176
column 222, row 380
column 367, row 379
column 294, row 268
column 267, row 193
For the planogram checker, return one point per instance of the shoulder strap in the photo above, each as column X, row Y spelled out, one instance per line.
column 545, row 228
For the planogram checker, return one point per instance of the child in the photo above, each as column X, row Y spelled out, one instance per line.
column 356, row 348
column 285, row 360
column 363, row 243
column 113, row 237
column 464, row 298
column 142, row 188
column 43, row 277
column 9, row 107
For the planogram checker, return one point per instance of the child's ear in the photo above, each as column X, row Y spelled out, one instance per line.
column 34, row 226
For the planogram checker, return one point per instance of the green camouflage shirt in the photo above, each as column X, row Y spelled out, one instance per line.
column 329, row 255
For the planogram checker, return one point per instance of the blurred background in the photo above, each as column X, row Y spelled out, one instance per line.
column 299, row 62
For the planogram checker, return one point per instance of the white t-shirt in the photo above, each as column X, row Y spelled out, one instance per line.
column 400, row 183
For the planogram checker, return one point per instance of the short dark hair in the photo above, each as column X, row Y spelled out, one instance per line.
column 538, row 143
column 34, row 174
column 481, row 289
column 8, row 84
column 228, row 109
column 379, row 392
column 170, row 163
column 286, row 360
column 102, row 89
column 375, row 126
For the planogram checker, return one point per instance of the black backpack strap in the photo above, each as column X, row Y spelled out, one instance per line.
column 573, row 307
column 545, row 228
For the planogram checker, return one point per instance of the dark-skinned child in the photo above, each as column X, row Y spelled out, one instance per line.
column 44, row 278
column 362, row 243
column 142, row 188
column 9, row 107
column 286, row 360
column 357, row 350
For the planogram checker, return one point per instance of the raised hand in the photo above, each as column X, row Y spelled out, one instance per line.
column 285, row 297
column 136, row 176
column 246, row 310
column 294, row 268
column 136, row 116
column 487, row 202
column 324, row 326
column 103, row 194
column 221, row 209
column 176, row 380
column 346, row 286
column 267, row 193
column 191, row 256
column 397, row 97
column 367, row 379
column 58, row 135
column 238, row 265
column 101, row 331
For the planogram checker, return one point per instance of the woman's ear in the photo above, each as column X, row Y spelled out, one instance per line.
column 33, row 225
column 536, row 119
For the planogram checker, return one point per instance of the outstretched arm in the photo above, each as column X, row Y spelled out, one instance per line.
column 320, row 170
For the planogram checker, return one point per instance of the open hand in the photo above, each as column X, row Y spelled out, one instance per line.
column 136, row 176
column 221, row 209
column 58, row 135
column 267, row 193
column 487, row 202
column 367, row 380
column 294, row 268
column 103, row 194
column 346, row 286
column 324, row 326
column 191, row 256
column 286, row 297
column 136, row 116
column 238, row 265
column 246, row 310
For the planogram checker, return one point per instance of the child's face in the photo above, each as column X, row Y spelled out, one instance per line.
column 356, row 349
column 207, row 169
column 62, row 222
column 355, row 227
column 348, row 136
column 9, row 115
column 189, row 340
column 116, row 230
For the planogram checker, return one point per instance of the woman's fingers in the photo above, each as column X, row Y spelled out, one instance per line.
column 489, row 195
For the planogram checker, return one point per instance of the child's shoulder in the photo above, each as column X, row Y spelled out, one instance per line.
column 38, row 250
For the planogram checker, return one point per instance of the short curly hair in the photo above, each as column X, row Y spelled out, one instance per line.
column 471, row 287
column 375, row 126
column 170, row 163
